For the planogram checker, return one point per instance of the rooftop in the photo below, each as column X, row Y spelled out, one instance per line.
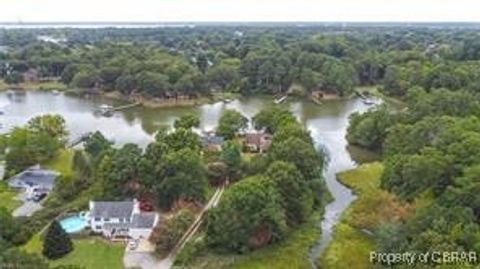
column 211, row 139
column 257, row 138
column 144, row 220
column 112, row 209
column 34, row 176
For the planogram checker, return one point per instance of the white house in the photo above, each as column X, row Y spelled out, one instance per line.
column 121, row 219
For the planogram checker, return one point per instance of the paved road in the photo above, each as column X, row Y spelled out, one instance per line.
column 145, row 260
column 27, row 208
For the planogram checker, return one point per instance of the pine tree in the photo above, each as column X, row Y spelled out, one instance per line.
column 57, row 242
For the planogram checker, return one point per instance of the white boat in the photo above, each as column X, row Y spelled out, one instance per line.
column 368, row 102
column 55, row 92
column 280, row 100
column 105, row 110
column 105, row 107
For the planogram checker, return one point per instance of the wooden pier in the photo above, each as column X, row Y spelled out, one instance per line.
column 118, row 108
column 280, row 99
column 108, row 111
column 79, row 139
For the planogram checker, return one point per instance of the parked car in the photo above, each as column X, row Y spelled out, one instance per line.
column 132, row 244
column 39, row 196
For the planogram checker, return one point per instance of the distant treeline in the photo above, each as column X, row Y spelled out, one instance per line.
column 165, row 62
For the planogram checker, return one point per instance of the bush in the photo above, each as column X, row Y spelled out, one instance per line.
column 57, row 242
column 167, row 234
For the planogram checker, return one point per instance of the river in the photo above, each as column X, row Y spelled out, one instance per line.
column 327, row 123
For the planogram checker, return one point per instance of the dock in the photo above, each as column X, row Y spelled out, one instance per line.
column 79, row 139
column 361, row 95
column 280, row 99
column 107, row 110
column 118, row 108
column 316, row 101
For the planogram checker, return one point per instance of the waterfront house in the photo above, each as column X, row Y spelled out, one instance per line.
column 31, row 75
column 212, row 142
column 257, row 142
column 121, row 219
column 34, row 181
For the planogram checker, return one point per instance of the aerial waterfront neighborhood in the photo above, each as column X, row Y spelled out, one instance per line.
column 202, row 134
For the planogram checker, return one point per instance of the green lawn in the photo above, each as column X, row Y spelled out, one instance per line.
column 350, row 246
column 94, row 254
column 7, row 196
column 62, row 163
column 291, row 253
column 34, row 245
column 87, row 253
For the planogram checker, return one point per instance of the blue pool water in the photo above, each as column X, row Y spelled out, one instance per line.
column 73, row 224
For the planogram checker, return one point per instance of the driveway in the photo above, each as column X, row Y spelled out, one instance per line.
column 142, row 257
column 27, row 208
column 145, row 260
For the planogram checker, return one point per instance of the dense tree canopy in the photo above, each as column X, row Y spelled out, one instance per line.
column 184, row 178
column 230, row 123
column 284, row 186
column 173, row 62
column 430, row 154
column 35, row 143
column 249, row 216
column 187, row 122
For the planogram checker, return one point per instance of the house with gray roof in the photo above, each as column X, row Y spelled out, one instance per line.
column 121, row 219
column 34, row 180
column 211, row 142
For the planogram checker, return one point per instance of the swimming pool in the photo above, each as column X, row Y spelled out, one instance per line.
column 73, row 224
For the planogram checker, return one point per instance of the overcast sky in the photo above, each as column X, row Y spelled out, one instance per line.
column 238, row 10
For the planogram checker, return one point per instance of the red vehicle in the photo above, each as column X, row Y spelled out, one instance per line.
column 146, row 206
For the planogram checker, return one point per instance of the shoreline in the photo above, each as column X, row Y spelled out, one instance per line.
column 32, row 86
column 154, row 103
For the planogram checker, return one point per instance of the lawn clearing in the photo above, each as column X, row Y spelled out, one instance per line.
column 62, row 163
column 94, row 254
column 34, row 245
column 88, row 253
column 7, row 197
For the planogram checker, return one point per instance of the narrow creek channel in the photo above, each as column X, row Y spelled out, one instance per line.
column 330, row 138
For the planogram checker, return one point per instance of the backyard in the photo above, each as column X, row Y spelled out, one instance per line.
column 90, row 253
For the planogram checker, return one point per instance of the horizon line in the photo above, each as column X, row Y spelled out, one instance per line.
column 238, row 21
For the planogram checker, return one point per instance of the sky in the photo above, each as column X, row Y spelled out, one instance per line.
column 239, row 10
